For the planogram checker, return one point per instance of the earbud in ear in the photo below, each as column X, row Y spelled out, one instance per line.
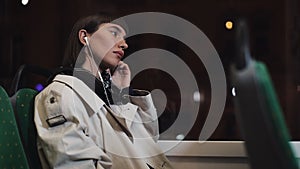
column 86, row 40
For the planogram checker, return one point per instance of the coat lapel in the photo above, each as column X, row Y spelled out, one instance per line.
column 93, row 101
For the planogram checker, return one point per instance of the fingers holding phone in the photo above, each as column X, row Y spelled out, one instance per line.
column 121, row 76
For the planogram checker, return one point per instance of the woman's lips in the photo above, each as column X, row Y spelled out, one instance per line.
column 119, row 53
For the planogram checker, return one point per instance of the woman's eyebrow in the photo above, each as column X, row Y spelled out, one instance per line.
column 117, row 28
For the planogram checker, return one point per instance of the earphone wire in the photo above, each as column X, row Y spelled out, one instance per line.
column 99, row 74
column 105, row 93
column 91, row 53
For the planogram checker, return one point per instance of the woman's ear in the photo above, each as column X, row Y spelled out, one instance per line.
column 81, row 36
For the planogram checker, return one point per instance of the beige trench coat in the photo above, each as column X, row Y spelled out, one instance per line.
column 77, row 130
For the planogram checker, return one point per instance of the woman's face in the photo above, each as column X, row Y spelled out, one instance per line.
column 108, row 44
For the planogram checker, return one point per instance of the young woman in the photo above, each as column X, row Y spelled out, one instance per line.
column 89, row 118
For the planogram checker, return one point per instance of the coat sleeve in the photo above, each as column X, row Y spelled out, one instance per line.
column 61, row 123
column 147, row 111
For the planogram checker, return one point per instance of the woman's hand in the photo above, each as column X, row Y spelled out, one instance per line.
column 121, row 76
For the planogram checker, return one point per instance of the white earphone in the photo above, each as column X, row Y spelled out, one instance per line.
column 99, row 74
column 88, row 46
column 90, row 51
column 92, row 56
column 86, row 40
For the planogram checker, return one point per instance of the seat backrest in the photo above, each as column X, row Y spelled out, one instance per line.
column 12, row 154
column 259, row 113
column 23, row 105
column 260, row 117
column 23, row 77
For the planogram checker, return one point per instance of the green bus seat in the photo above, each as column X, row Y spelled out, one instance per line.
column 258, row 111
column 12, row 155
column 23, row 101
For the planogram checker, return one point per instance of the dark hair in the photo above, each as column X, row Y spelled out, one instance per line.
column 91, row 25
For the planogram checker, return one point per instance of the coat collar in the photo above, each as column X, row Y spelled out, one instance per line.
column 82, row 90
column 95, row 103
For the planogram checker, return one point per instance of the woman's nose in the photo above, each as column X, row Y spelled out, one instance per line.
column 123, row 45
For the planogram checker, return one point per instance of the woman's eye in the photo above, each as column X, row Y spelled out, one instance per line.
column 114, row 33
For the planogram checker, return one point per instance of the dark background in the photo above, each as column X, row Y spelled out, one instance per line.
column 37, row 33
